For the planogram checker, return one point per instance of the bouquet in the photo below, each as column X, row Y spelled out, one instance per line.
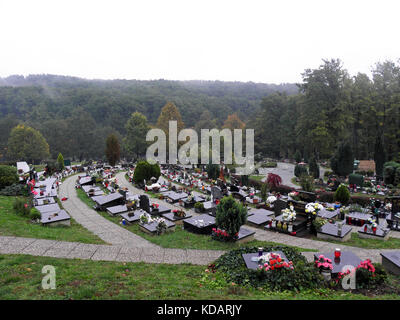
column 274, row 261
column 289, row 214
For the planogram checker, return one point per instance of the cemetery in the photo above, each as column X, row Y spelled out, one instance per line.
column 229, row 213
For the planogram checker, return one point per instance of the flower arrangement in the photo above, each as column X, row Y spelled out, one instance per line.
column 155, row 206
column 323, row 263
column 319, row 222
column 271, row 199
column 367, row 275
column 289, row 214
column 222, row 235
column 179, row 213
column 372, row 222
column 293, row 194
column 145, row 218
column 273, row 261
column 388, row 206
column 161, row 225
column 313, row 208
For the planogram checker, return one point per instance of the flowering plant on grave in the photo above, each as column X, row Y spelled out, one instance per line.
column 161, row 225
column 271, row 199
column 179, row 213
column 273, row 261
column 323, row 263
column 366, row 274
column 155, row 206
column 388, row 206
column 313, row 208
column 222, row 235
column 372, row 222
column 289, row 214
column 145, row 218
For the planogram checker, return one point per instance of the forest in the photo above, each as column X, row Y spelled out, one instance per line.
column 329, row 106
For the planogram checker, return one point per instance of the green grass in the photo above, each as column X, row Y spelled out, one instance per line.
column 12, row 224
column 180, row 238
column 21, row 277
column 356, row 241
column 257, row 178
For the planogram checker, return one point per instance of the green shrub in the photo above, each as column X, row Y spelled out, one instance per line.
column 300, row 170
column 34, row 214
column 15, row 189
column 199, row 206
column 270, row 165
column 22, row 206
column 328, row 173
column 145, row 171
column 8, row 176
column 264, row 191
column 342, row 194
column 230, row 216
column 307, row 183
column 326, row 197
column 356, row 179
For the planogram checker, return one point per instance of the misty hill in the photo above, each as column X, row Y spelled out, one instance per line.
column 110, row 102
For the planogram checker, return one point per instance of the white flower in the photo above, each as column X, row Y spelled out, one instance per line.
column 271, row 199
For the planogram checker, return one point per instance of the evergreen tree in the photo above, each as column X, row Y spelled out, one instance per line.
column 112, row 149
column 136, row 130
column 60, row 162
column 379, row 156
column 314, row 168
column 342, row 162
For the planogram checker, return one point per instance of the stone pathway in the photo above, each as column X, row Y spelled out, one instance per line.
column 77, row 250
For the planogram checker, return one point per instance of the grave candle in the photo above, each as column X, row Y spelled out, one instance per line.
column 260, row 251
column 337, row 253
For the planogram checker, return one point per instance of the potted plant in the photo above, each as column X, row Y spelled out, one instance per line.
column 179, row 213
column 198, row 207
column 318, row 223
column 325, row 267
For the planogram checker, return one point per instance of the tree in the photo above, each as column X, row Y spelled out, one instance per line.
column 112, row 149
column 379, row 156
column 342, row 162
column 314, row 168
column 169, row 113
column 136, row 130
column 212, row 171
column 26, row 143
column 8, row 176
column 234, row 122
column 230, row 216
column 297, row 156
column 60, row 162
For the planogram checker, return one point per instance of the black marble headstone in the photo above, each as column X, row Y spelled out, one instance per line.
column 144, row 203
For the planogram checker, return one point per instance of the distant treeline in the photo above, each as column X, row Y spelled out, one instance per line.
column 76, row 115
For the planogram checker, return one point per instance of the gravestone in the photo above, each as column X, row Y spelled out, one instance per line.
column 144, row 203
column 216, row 193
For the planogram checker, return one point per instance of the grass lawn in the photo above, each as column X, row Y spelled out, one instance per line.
column 180, row 238
column 257, row 178
column 356, row 241
column 12, row 224
column 21, row 277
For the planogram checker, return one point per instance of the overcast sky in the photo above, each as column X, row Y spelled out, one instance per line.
column 260, row 41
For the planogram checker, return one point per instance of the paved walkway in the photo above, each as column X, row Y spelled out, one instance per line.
column 77, row 250
column 129, row 247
